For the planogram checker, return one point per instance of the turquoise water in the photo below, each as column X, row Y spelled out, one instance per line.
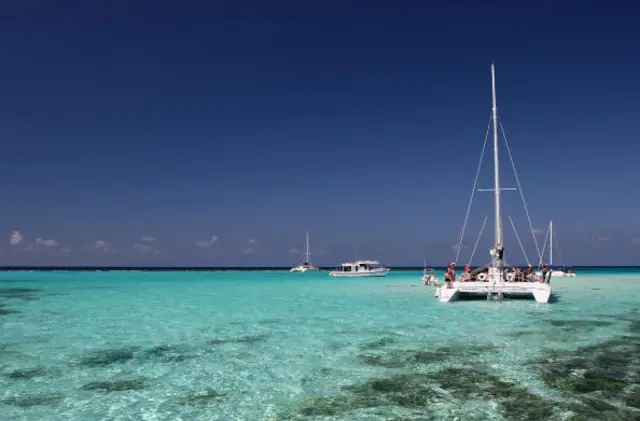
column 279, row 346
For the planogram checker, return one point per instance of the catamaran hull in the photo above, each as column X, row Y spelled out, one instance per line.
column 541, row 292
column 368, row 274
column 430, row 280
column 558, row 274
column 302, row 269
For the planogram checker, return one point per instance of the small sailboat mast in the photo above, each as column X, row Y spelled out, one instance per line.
column 498, row 249
column 551, row 244
column 307, row 252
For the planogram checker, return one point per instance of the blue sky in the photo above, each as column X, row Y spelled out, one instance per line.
column 155, row 127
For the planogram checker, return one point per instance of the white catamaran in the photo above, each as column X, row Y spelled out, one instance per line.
column 499, row 280
column 306, row 265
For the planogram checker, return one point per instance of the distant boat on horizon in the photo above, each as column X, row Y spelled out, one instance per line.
column 305, row 266
column 360, row 269
column 556, row 273
column 428, row 275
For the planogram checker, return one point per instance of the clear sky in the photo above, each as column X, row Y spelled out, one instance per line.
column 215, row 132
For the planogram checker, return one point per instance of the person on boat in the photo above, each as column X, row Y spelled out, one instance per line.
column 529, row 274
column 450, row 273
column 519, row 275
column 466, row 274
column 545, row 272
column 510, row 273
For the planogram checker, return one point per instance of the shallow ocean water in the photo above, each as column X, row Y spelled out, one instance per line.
column 279, row 346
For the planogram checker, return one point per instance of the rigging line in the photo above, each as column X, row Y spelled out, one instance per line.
column 544, row 246
column 473, row 252
column 473, row 190
column 524, row 202
column 559, row 250
column 519, row 242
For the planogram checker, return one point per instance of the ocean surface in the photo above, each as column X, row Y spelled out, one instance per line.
column 278, row 346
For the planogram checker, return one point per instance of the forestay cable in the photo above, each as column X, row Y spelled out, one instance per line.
column 475, row 182
column 473, row 252
column 519, row 242
column 524, row 202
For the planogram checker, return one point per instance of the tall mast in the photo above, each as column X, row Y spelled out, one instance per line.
column 307, row 251
column 496, row 173
column 551, row 244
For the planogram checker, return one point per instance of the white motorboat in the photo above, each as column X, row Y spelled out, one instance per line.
column 360, row 269
column 305, row 266
column 497, row 282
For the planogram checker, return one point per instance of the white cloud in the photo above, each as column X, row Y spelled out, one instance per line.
column 65, row 250
column 101, row 245
column 207, row 243
column 142, row 246
column 252, row 241
column 294, row 250
column 604, row 238
column 248, row 251
column 15, row 238
column 538, row 231
column 46, row 243
column 324, row 253
column 635, row 240
column 146, row 239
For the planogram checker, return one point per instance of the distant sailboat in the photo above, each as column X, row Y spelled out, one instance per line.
column 306, row 265
column 428, row 276
column 556, row 272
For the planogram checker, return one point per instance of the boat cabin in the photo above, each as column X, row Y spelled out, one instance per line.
column 360, row 266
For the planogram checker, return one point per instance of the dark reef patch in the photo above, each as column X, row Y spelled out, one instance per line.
column 168, row 353
column 270, row 322
column 378, row 343
column 633, row 398
column 24, row 294
column 516, row 402
column 204, row 398
column 416, row 392
column 105, row 357
column 27, row 401
column 603, row 378
column 596, row 382
column 7, row 311
column 26, row 373
column 249, row 339
column 578, row 324
column 516, row 334
column 404, row 358
column 108, row 386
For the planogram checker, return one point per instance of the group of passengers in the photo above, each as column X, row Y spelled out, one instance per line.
column 513, row 274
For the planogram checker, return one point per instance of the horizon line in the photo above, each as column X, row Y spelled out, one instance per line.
column 244, row 268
